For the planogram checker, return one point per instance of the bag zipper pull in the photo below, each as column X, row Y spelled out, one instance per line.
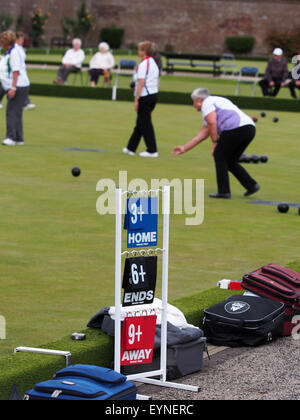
column 56, row 393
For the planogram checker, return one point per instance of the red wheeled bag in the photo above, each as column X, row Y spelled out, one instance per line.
column 280, row 284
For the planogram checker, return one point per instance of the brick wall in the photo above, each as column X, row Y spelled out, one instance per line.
column 189, row 25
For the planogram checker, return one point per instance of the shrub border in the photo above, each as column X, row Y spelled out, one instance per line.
column 179, row 98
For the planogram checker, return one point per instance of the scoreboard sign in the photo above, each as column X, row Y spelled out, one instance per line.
column 137, row 340
column 141, row 221
column 139, row 280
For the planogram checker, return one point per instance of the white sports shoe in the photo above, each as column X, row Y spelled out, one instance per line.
column 9, row 142
column 1, row 106
column 149, row 155
column 29, row 106
column 128, row 152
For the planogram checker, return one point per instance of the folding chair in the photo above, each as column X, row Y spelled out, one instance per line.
column 76, row 75
column 123, row 65
column 229, row 64
column 247, row 76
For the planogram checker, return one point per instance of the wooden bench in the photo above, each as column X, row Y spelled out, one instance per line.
column 60, row 42
column 192, row 60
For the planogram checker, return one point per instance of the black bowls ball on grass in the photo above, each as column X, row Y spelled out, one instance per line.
column 283, row 207
column 76, row 171
column 255, row 158
column 264, row 158
column 242, row 158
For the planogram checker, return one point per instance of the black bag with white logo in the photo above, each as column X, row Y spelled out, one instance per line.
column 243, row 321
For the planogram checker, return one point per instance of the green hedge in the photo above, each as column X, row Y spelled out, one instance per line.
column 26, row 369
column 179, row 98
column 240, row 44
column 113, row 36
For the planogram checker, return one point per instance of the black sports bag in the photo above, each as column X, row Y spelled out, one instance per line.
column 243, row 321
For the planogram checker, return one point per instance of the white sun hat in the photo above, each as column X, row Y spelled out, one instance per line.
column 277, row 51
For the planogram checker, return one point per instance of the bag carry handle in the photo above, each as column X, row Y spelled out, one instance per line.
column 284, row 273
column 97, row 373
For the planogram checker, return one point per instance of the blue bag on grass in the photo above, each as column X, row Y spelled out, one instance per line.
column 84, row 382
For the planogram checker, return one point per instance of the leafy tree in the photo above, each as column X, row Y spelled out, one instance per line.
column 5, row 22
column 85, row 21
column 38, row 23
column 68, row 26
column 79, row 27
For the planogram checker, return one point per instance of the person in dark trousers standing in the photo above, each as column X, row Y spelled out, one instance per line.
column 16, row 83
column 231, row 131
column 145, row 99
column 276, row 74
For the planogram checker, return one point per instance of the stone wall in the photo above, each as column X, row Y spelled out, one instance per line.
column 188, row 25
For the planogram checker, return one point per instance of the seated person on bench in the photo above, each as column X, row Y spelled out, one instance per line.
column 275, row 75
column 71, row 62
column 101, row 63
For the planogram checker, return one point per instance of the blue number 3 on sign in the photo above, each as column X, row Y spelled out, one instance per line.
column 141, row 221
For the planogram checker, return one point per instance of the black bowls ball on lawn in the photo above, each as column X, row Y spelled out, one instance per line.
column 264, row 158
column 242, row 158
column 263, row 114
column 76, row 171
column 255, row 158
column 275, row 119
column 283, row 207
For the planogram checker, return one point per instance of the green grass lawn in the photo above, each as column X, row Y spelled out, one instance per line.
column 57, row 252
column 56, row 58
column 169, row 83
column 218, row 86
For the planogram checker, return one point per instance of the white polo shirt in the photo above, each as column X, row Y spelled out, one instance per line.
column 149, row 71
column 12, row 61
column 229, row 116
column 103, row 61
column 76, row 58
column 21, row 51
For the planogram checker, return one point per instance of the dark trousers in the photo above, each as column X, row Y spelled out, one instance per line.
column 14, row 114
column 292, row 86
column 144, row 127
column 268, row 90
column 230, row 147
column 63, row 72
column 4, row 92
column 95, row 74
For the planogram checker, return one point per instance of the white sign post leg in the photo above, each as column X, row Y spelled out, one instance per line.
column 118, row 267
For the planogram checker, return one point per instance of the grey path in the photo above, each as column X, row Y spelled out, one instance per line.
column 269, row 372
